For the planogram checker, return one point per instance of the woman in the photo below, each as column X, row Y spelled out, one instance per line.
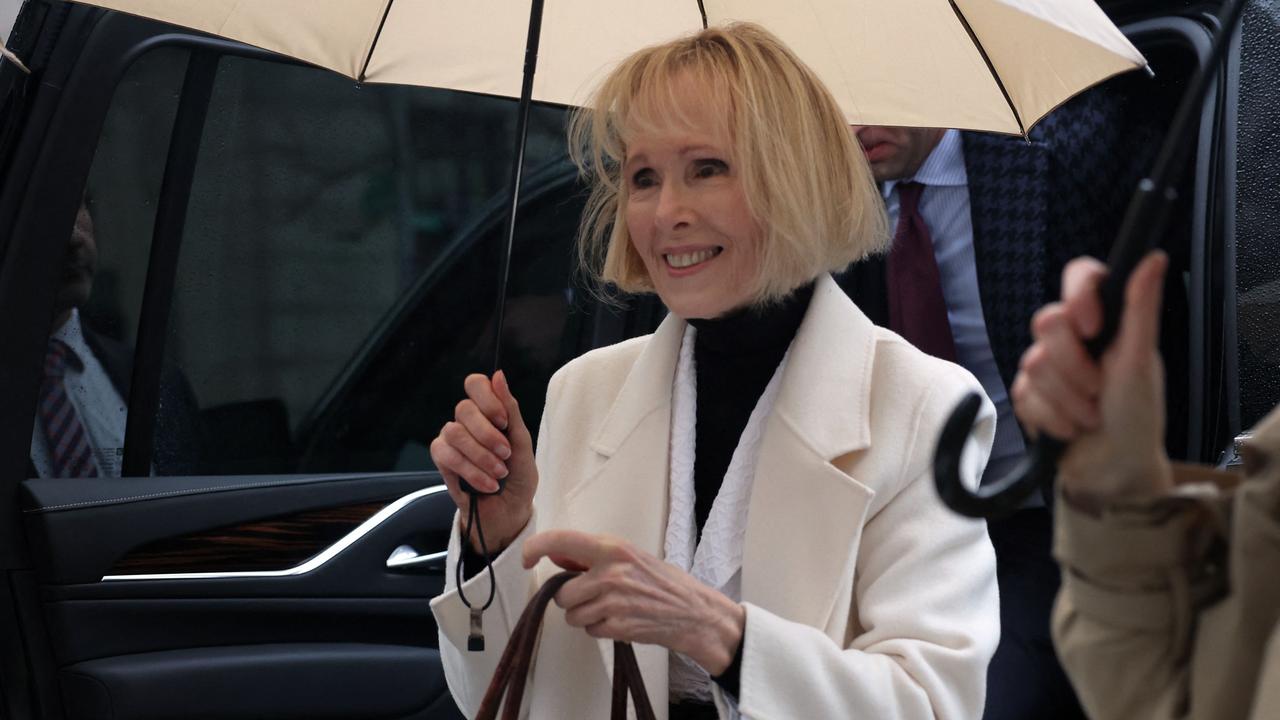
column 749, row 487
column 1170, row 604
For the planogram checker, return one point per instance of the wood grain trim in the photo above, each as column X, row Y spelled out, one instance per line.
column 274, row 544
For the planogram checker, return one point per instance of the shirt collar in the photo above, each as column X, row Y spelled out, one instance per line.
column 72, row 333
column 943, row 167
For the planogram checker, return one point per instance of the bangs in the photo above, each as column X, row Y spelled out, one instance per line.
column 664, row 90
column 674, row 98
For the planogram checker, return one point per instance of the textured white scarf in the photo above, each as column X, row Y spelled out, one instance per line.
column 717, row 559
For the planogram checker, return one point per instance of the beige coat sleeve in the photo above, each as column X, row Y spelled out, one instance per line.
column 1166, row 609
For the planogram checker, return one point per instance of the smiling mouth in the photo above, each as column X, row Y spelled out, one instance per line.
column 681, row 261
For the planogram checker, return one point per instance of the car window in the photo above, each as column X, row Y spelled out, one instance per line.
column 1257, row 205
column 338, row 269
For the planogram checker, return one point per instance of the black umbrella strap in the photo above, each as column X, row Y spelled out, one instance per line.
column 475, row 640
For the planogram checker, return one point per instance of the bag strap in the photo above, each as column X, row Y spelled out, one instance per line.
column 627, row 677
column 512, row 673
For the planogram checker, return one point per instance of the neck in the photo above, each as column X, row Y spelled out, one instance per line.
column 934, row 137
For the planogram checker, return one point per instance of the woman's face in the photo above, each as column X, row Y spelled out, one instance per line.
column 688, row 219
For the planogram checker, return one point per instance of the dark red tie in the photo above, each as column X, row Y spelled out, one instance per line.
column 917, row 310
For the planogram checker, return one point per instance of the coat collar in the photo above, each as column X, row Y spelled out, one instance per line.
column 814, row 372
column 642, row 391
column 833, row 321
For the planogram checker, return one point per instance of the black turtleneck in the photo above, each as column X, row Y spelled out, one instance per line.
column 736, row 356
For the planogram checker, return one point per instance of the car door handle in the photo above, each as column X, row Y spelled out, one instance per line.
column 407, row 559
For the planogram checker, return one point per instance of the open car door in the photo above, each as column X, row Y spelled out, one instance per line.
column 290, row 277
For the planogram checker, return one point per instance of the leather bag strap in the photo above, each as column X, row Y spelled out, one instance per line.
column 513, row 667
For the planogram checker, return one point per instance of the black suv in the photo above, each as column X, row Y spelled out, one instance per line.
column 294, row 273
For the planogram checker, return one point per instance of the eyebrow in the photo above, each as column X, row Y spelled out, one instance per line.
column 684, row 150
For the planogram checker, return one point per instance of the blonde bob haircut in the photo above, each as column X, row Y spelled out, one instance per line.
column 807, row 183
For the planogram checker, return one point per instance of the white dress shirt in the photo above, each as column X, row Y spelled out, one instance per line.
column 101, row 409
column 944, row 205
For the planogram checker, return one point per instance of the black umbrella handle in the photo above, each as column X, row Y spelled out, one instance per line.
column 1144, row 224
column 513, row 203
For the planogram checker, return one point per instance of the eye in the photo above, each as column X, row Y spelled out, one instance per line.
column 643, row 178
column 709, row 167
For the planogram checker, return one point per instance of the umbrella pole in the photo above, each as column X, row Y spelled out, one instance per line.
column 475, row 638
column 517, row 169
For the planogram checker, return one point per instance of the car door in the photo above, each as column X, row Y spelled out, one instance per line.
column 293, row 275
column 1252, row 195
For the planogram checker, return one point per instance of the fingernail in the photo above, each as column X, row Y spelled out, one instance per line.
column 504, row 452
column 501, row 471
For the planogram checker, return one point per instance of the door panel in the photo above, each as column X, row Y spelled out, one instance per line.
column 340, row 634
column 260, row 681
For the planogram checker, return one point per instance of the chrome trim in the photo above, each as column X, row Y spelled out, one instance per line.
column 406, row 556
column 314, row 563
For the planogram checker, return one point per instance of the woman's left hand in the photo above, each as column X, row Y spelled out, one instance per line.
column 629, row 595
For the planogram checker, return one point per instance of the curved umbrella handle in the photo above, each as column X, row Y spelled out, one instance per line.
column 992, row 499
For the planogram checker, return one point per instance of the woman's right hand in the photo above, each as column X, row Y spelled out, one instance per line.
column 474, row 448
column 1110, row 411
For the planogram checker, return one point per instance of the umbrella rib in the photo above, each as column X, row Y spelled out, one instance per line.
column 702, row 9
column 990, row 67
column 381, row 24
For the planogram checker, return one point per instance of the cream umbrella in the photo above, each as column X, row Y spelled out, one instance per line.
column 996, row 65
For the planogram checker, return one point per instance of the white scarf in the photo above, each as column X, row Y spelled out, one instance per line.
column 716, row 560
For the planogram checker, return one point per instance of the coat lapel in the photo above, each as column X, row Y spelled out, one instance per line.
column 627, row 495
column 806, row 514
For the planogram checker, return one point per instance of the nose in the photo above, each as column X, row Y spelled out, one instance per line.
column 674, row 210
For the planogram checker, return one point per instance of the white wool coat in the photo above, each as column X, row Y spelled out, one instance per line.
column 865, row 596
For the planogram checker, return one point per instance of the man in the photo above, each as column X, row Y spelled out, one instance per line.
column 984, row 224
column 83, row 407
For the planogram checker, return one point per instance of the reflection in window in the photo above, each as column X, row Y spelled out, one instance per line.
column 339, row 270
column 81, row 412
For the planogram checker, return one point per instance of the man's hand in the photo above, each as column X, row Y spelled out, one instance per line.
column 1111, row 412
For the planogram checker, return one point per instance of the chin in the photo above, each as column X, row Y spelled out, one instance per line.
column 692, row 309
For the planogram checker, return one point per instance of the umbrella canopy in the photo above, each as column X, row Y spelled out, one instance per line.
column 997, row 65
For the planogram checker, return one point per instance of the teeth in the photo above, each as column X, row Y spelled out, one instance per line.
column 684, row 260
